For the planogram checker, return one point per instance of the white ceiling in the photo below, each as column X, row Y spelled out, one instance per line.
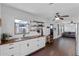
column 46, row 10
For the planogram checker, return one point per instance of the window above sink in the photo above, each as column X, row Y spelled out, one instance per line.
column 21, row 26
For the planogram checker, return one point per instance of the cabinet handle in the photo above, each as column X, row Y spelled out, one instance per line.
column 11, row 48
column 27, row 45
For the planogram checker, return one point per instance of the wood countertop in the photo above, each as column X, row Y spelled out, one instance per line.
column 18, row 40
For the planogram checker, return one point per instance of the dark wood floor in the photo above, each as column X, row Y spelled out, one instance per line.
column 60, row 47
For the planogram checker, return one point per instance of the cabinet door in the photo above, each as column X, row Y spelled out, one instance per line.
column 10, row 49
column 16, row 49
column 38, row 43
column 4, row 51
column 34, row 45
column 41, row 42
column 25, row 48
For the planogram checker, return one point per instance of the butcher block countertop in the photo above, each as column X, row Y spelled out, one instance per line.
column 18, row 40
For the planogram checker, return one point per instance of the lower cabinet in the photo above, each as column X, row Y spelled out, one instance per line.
column 10, row 49
column 25, row 47
column 22, row 48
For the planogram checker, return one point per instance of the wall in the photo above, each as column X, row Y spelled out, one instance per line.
column 56, row 35
column 77, row 39
column 47, row 30
column 9, row 14
column 0, row 17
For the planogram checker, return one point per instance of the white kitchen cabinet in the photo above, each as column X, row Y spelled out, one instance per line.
column 25, row 48
column 22, row 48
column 30, row 46
column 41, row 42
column 35, row 45
column 10, row 49
column 4, row 50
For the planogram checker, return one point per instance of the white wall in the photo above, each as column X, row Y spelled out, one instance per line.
column 46, row 30
column 9, row 14
column 77, row 39
column 0, row 17
column 56, row 30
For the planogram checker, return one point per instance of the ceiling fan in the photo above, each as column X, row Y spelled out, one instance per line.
column 58, row 16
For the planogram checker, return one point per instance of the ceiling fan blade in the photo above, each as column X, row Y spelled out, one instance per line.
column 61, row 18
column 65, row 16
column 57, row 14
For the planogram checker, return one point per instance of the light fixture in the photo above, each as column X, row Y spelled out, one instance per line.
column 57, row 18
column 51, row 26
column 20, row 21
column 17, row 21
